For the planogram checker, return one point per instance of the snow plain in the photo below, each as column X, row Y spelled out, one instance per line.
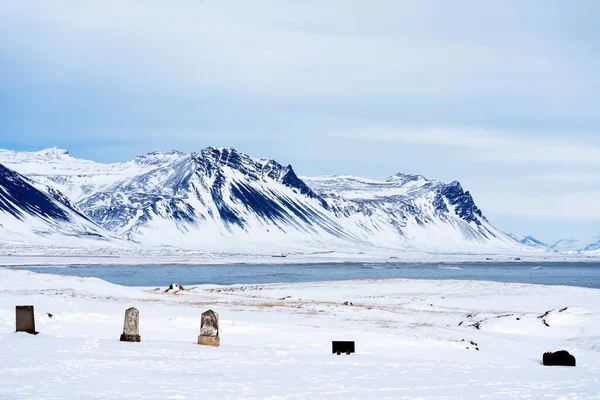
column 128, row 254
column 276, row 340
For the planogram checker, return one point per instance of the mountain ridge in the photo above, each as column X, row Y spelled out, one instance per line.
column 222, row 197
column 568, row 245
column 40, row 211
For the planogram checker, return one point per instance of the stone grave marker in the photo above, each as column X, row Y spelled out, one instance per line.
column 131, row 327
column 25, row 319
column 209, row 329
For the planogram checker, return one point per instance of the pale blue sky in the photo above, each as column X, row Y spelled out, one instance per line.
column 500, row 95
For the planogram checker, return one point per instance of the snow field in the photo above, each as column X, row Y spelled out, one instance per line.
column 407, row 333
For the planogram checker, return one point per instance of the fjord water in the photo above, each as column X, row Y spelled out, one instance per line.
column 584, row 274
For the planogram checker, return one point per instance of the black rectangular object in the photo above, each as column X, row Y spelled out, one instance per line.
column 25, row 319
column 342, row 347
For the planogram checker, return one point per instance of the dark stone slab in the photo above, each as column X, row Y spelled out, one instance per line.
column 339, row 347
column 559, row 358
column 130, row 338
column 25, row 319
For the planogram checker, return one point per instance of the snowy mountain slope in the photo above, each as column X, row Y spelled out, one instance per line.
column 78, row 178
column 29, row 211
column 564, row 245
column 212, row 194
column 533, row 242
column 222, row 199
column 411, row 209
column 569, row 245
column 592, row 247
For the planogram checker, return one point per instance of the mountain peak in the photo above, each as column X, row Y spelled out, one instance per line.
column 54, row 152
column 213, row 150
column 532, row 241
column 462, row 201
column 400, row 177
column 163, row 153
column 159, row 157
column 223, row 155
column 212, row 159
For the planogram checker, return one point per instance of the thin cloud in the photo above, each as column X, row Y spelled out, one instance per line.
column 490, row 145
column 296, row 50
column 575, row 178
column 274, row 77
column 582, row 206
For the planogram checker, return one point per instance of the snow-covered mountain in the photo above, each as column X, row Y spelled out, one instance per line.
column 575, row 245
column 221, row 199
column 412, row 209
column 533, row 242
column 592, row 247
column 567, row 245
column 74, row 177
column 31, row 212
column 570, row 245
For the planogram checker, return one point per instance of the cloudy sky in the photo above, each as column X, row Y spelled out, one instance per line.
column 500, row 95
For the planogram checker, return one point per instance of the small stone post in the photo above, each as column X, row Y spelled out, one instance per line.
column 25, row 319
column 131, row 327
column 209, row 329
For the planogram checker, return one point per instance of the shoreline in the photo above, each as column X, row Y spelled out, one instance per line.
column 223, row 275
column 303, row 259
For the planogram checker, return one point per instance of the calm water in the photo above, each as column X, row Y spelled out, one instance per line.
column 573, row 274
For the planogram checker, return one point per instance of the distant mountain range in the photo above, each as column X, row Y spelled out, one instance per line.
column 220, row 199
column 563, row 245
column 533, row 242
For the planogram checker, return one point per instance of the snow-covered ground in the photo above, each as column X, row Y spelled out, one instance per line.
column 104, row 254
column 276, row 340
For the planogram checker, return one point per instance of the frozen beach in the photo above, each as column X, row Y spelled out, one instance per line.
column 276, row 340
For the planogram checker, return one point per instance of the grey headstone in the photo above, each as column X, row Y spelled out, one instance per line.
column 131, row 327
column 25, row 319
column 209, row 324
column 209, row 329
